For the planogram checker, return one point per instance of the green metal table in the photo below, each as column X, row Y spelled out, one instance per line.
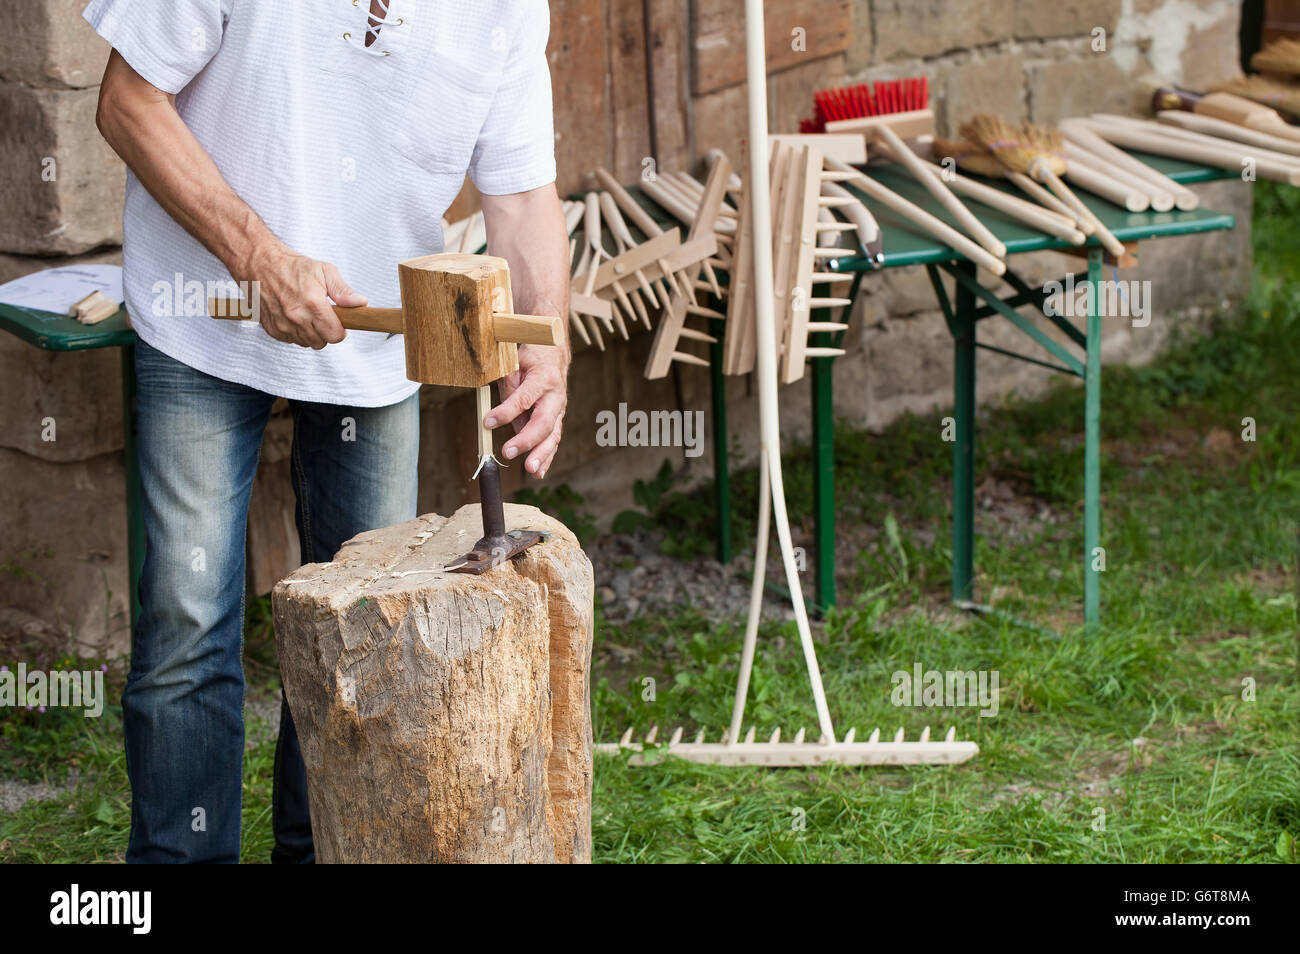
column 54, row 332
column 972, row 303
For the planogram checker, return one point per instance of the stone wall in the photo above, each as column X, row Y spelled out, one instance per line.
column 62, row 553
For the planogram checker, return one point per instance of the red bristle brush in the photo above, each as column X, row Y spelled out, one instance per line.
column 892, row 111
column 860, row 108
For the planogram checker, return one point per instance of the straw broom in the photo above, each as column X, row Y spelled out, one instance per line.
column 1037, row 151
column 976, row 159
column 1280, row 56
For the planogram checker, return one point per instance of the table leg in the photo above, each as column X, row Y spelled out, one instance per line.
column 721, row 470
column 963, row 451
column 134, row 515
column 823, row 441
column 1092, row 449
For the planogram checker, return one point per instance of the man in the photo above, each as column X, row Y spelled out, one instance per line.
column 304, row 148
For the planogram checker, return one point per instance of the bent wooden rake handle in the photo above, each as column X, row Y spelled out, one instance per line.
column 518, row 329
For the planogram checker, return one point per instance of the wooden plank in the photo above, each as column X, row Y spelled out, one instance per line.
column 628, row 92
column 669, row 31
column 576, row 52
column 1281, row 21
column 719, row 44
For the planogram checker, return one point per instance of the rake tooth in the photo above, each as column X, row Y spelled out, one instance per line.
column 749, row 736
column 898, row 736
column 699, row 737
column 676, row 737
column 849, row 736
column 821, row 739
column 626, row 739
column 952, row 734
column 925, row 734
column 874, row 737
column 650, row 736
column 723, row 740
column 776, row 737
column 798, row 737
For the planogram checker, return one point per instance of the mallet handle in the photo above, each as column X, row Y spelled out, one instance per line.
column 365, row 318
column 521, row 329
column 528, row 329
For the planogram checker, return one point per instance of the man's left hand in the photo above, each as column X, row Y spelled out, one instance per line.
column 534, row 399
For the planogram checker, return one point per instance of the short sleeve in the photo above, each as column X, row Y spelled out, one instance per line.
column 166, row 41
column 515, row 151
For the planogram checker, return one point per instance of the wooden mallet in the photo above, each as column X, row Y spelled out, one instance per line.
column 460, row 330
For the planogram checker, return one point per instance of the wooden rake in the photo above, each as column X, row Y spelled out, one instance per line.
column 804, row 192
column 797, row 752
column 672, row 330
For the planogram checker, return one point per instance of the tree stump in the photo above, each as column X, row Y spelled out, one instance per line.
column 443, row 717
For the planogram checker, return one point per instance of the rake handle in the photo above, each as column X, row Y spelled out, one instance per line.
column 924, row 174
column 1062, row 191
column 1048, row 201
column 1080, row 134
column 1019, row 209
column 1101, row 183
column 915, row 214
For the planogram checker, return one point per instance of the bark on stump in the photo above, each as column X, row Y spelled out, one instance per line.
column 443, row 717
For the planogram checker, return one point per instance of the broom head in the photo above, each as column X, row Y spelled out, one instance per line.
column 968, row 156
column 1019, row 148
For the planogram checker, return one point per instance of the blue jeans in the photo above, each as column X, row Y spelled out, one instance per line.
column 353, row 469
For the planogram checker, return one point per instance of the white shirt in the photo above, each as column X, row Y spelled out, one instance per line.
column 350, row 155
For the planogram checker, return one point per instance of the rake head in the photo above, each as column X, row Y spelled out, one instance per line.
column 797, row 752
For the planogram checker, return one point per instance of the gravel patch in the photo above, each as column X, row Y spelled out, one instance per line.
column 634, row 578
column 14, row 794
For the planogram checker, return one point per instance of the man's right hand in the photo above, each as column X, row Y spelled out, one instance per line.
column 293, row 293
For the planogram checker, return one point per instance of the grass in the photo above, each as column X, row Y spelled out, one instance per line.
column 1170, row 735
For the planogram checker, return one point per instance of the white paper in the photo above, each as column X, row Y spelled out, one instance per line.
column 58, row 289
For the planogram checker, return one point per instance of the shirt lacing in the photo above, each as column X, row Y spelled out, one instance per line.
column 373, row 25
